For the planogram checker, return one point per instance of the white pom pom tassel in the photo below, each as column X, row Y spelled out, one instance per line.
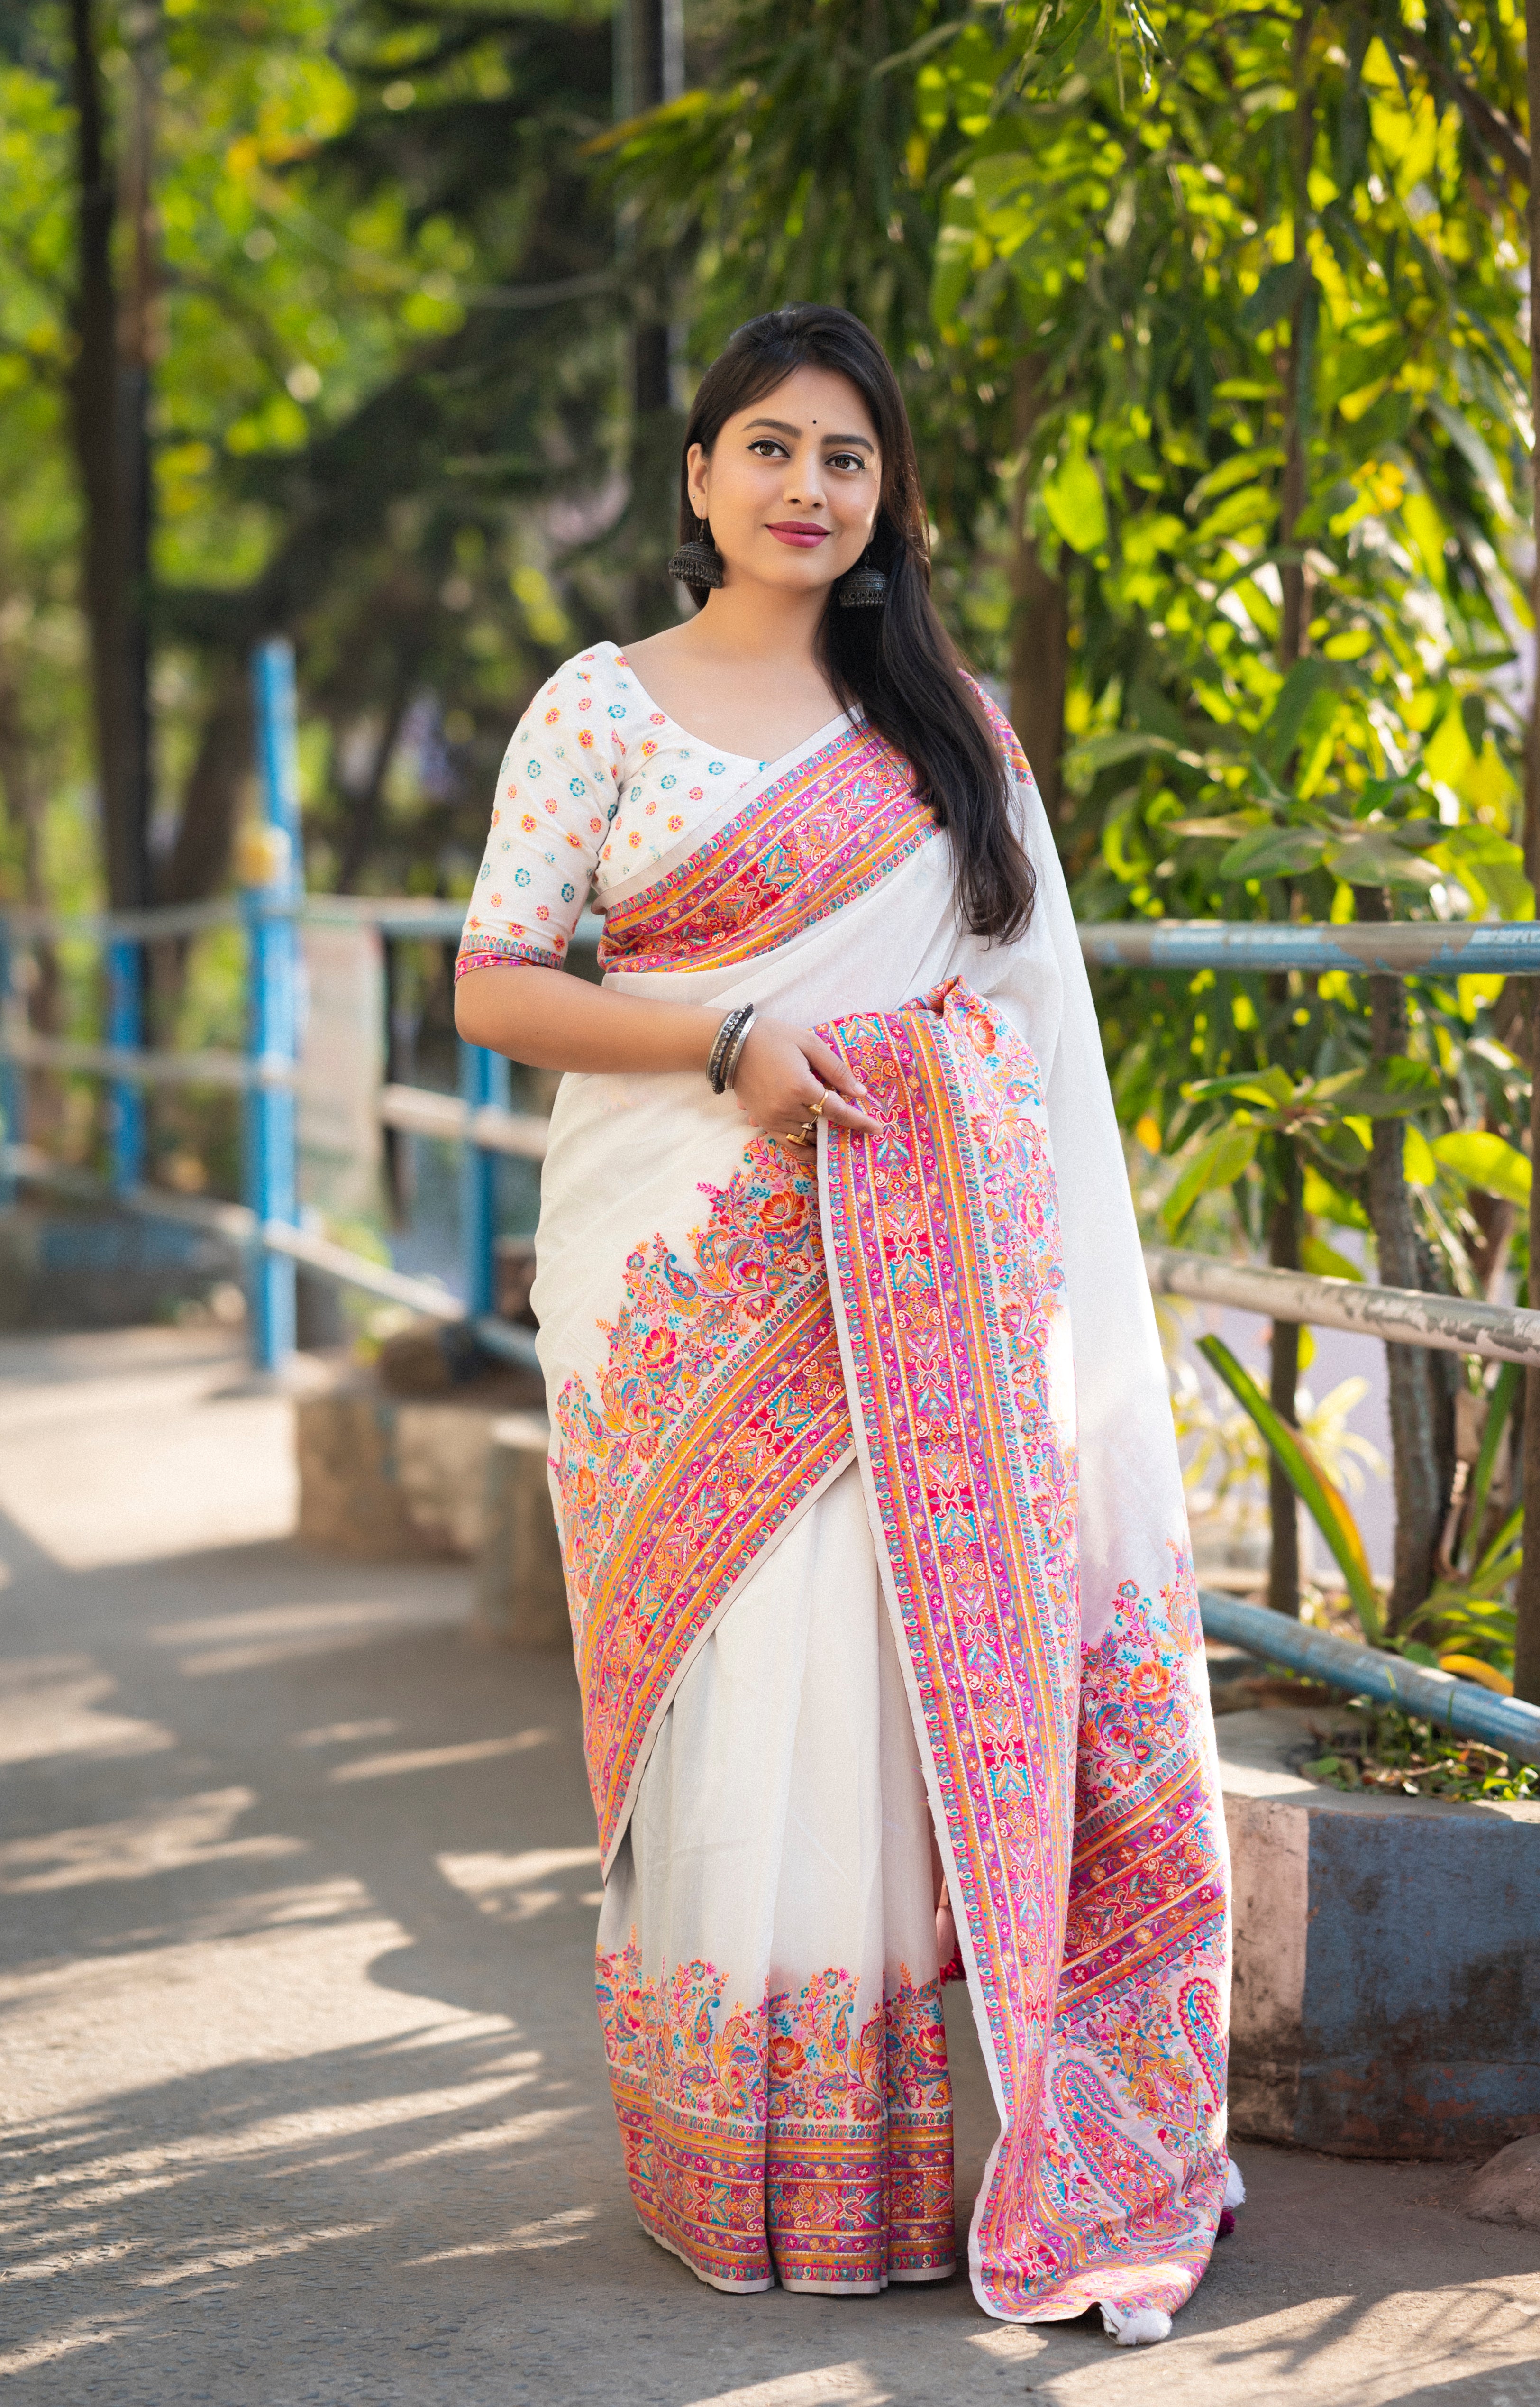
column 1132, row 2326
column 1235, row 2189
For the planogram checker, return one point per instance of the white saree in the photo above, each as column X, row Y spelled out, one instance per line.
column 873, row 1523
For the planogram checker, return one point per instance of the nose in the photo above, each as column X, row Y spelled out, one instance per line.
column 805, row 479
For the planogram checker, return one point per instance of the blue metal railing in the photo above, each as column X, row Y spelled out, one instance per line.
column 268, row 1221
column 1457, row 1705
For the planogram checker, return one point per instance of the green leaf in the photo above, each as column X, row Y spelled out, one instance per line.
column 1275, row 852
column 1324, row 1262
column 1488, row 1162
column 1389, row 1090
column 1272, row 1088
column 1499, row 1406
column 1324, row 1502
column 1223, row 1160
column 1375, row 859
column 1341, row 1147
column 1280, row 732
column 1226, row 829
column 1417, row 1164
column 1273, row 297
column 1481, row 857
column 1098, row 752
column 1075, row 502
column 1324, row 1201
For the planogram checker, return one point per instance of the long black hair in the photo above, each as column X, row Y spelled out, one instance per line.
column 896, row 661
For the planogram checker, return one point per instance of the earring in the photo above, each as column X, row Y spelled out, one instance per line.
column 864, row 589
column 698, row 563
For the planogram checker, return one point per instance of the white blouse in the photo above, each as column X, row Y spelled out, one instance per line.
column 596, row 785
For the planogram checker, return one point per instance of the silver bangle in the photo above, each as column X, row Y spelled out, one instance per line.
column 735, row 1050
column 726, row 1044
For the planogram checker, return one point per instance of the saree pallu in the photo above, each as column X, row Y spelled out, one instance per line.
column 958, row 1307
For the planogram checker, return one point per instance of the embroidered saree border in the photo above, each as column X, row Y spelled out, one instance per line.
column 718, row 1412
column 797, row 2136
column 1075, row 1785
column 798, row 850
column 1099, row 1979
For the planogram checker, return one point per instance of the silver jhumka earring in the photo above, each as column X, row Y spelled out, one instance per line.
column 864, row 589
column 698, row 563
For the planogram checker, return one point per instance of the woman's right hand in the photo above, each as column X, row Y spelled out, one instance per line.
column 784, row 1070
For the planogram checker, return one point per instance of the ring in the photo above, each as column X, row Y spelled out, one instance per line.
column 815, row 1111
column 806, row 1136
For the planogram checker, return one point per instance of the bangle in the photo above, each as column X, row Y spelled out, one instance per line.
column 729, row 1037
column 735, row 1051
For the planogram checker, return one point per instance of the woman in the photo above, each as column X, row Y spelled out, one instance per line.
column 849, row 1598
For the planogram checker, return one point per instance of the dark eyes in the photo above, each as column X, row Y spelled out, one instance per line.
column 768, row 448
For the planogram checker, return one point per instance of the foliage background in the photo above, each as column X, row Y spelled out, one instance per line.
column 1214, row 331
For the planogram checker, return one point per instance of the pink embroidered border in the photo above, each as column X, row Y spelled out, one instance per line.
column 826, row 832
column 719, row 1408
column 480, row 951
column 943, row 1247
column 793, row 2135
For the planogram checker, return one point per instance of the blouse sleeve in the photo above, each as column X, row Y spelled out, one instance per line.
column 557, row 791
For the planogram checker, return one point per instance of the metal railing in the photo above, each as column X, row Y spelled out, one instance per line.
column 479, row 1120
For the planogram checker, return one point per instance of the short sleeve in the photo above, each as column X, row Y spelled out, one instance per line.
column 556, row 795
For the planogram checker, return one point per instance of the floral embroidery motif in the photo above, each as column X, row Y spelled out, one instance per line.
column 719, row 1408
column 794, row 2135
column 481, row 950
column 1109, row 2175
column 825, row 833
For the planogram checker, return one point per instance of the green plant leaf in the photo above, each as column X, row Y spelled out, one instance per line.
column 1486, row 1160
column 1275, row 852
column 1323, row 1500
column 1389, row 1090
column 1219, row 1164
column 1375, row 859
column 1272, row 1088
column 1075, row 502
column 1280, row 731
column 1499, row 1407
column 1325, row 1261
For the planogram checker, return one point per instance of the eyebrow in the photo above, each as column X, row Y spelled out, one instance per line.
column 781, row 426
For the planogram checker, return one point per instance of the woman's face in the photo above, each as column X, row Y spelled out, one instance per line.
column 792, row 484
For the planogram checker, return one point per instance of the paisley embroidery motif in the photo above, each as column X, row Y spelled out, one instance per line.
column 1199, row 2008
column 945, row 1245
column 794, row 2135
column 720, row 1409
column 1086, row 1845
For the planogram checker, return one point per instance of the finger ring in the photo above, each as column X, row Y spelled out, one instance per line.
column 806, row 1136
column 816, row 1110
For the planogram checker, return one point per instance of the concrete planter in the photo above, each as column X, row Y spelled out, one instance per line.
column 1387, row 1997
column 382, row 1477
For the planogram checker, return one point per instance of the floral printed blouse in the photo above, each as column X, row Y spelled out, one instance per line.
column 596, row 785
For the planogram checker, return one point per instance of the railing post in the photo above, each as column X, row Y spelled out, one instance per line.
column 12, row 1076
column 272, row 886
column 483, row 1079
column 125, row 1026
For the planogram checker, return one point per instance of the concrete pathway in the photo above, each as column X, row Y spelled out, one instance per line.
column 301, row 2085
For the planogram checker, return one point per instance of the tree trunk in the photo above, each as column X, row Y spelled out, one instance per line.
column 109, row 395
column 363, row 806
column 1283, row 1569
column 1415, row 1417
column 650, row 71
column 1283, row 1563
column 1039, row 660
column 24, row 806
column 1526, row 1663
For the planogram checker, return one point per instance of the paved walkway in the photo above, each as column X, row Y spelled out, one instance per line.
column 300, row 2066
